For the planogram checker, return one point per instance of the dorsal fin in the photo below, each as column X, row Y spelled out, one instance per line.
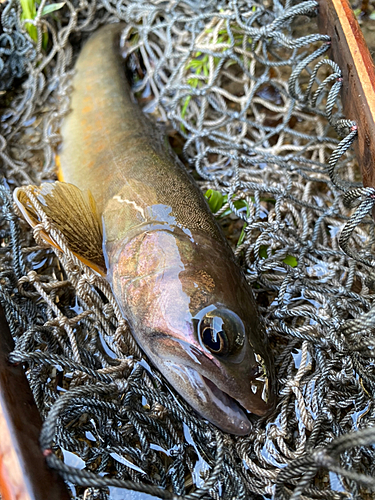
column 73, row 212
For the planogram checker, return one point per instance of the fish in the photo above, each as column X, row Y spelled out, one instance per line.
column 130, row 210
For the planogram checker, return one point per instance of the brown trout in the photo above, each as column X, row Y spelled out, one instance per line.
column 170, row 268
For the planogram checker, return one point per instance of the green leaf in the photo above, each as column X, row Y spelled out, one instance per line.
column 193, row 82
column 29, row 12
column 372, row 15
column 184, row 107
column 290, row 261
column 52, row 8
column 263, row 252
column 28, row 9
column 242, row 235
column 215, row 200
column 241, row 204
column 45, row 40
column 33, row 32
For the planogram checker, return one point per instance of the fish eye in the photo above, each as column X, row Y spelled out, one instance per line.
column 216, row 342
column 221, row 331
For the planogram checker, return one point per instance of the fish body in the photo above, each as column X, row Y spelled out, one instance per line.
column 170, row 268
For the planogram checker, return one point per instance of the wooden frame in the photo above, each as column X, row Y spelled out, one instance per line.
column 24, row 474
column 349, row 50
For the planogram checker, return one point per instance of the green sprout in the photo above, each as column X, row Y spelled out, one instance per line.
column 29, row 11
column 290, row 261
column 199, row 65
column 215, row 200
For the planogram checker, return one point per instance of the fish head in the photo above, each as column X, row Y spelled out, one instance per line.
column 194, row 315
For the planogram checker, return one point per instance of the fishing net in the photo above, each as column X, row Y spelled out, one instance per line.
column 250, row 102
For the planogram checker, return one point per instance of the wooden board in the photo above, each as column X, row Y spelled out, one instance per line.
column 24, row 474
column 349, row 50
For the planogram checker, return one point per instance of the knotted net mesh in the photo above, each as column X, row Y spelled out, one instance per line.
column 251, row 104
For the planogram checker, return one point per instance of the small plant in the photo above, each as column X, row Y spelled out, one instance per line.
column 29, row 11
column 198, row 65
column 200, row 62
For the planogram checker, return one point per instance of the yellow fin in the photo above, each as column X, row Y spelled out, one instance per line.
column 60, row 175
column 73, row 212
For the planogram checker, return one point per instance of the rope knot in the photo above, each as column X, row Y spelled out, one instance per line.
column 32, row 277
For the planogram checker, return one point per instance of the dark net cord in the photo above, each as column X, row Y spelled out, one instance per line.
column 361, row 196
column 308, row 465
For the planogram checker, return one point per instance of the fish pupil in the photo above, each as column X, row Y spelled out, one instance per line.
column 216, row 342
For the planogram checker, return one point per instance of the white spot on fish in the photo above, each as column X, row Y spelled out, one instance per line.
column 132, row 203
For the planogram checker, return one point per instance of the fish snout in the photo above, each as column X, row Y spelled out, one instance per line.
column 207, row 399
column 219, row 393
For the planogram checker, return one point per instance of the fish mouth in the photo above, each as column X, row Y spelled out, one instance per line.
column 207, row 397
column 239, row 418
column 218, row 407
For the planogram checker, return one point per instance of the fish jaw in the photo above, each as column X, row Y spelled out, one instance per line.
column 164, row 281
column 207, row 399
column 216, row 392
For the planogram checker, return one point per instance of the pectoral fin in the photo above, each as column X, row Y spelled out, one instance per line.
column 73, row 212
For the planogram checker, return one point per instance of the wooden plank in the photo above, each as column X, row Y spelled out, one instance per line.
column 349, row 50
column 24, row 474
